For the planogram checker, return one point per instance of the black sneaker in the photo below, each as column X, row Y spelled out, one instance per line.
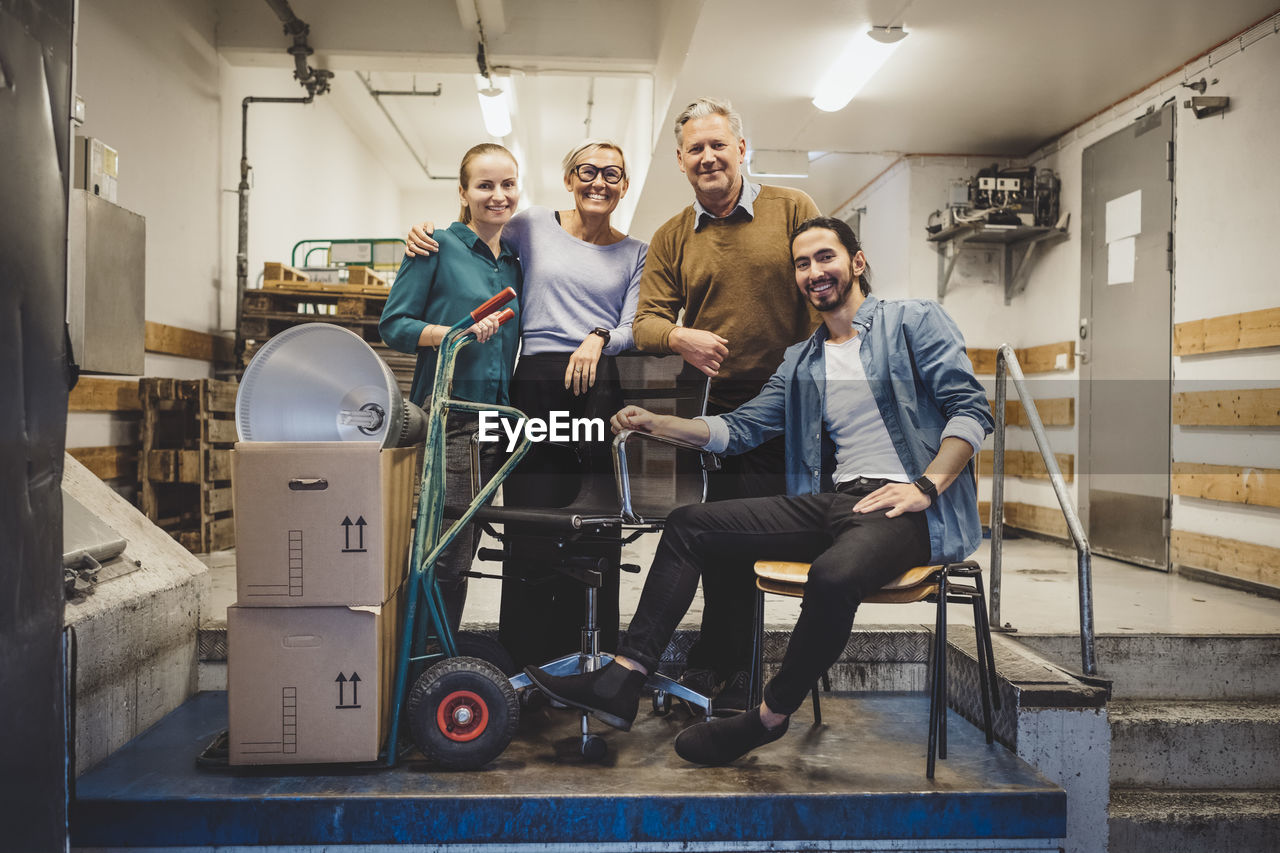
column 734, row 697
column 722, row 741
column 610, row 694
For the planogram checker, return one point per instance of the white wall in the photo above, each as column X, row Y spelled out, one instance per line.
column 311, row 177
column 149, row 77
column 1226, row 203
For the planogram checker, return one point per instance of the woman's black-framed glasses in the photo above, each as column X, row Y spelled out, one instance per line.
column 587, row 172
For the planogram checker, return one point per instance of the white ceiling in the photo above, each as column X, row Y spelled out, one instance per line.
column 980, row 77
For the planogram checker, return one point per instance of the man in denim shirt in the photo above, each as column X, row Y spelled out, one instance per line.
column 881, row 414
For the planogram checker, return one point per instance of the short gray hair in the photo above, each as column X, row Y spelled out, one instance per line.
column 589, row 147
column 704, row 107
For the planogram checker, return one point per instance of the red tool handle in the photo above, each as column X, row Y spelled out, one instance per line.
column 493, row 304
column 506, row 315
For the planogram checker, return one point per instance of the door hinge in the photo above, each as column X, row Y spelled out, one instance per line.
column 1168, row 254
column 1168, row 160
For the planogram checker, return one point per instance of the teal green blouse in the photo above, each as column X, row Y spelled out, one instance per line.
column 441, row 289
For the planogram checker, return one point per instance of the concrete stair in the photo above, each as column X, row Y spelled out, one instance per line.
column 1195, row 740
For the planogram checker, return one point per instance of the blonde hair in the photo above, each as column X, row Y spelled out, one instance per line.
column 464, row 171
column 591, row 146
column 703, row 108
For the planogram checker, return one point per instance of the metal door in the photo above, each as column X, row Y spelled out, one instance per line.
column 1126, row 310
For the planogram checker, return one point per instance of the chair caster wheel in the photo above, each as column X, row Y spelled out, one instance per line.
column 594, row 748
column 661, row 703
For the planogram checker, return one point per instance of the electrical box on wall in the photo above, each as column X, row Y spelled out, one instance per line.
column 97, row 167
column 106, row 285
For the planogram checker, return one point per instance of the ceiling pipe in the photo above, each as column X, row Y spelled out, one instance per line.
column 316, row 82
column 376, row 95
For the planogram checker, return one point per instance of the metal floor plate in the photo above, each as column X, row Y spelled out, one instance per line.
column 856, row 780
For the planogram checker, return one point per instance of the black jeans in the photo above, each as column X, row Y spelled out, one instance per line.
column 852, row 555
column 542, row 609
column 729, row 595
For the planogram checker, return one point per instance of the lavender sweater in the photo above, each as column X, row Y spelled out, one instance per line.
column 572, row 287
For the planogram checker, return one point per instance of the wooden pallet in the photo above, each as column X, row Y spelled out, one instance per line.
column 184, row 466
column 351, row 302
column 272, row 271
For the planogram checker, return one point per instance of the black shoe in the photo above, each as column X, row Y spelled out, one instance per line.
column 722, row 741
column 610, row 694
column 704, row 682
column 734, row 697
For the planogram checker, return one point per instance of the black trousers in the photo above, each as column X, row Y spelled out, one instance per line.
column 542, row 610
column 729, row 596
column 851, row 555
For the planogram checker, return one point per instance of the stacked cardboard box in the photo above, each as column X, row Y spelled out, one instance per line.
column 322, row 545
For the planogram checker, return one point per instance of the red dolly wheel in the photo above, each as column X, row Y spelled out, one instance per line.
column 462, row 713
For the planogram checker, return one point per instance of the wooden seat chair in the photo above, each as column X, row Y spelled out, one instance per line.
column 957, row 582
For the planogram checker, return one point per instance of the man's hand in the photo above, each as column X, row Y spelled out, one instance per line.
column 580, row 375
column 420, row 241
column 704, row 350
column 896, row 497
column 634, row 417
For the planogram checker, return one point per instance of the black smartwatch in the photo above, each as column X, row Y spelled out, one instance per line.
column 926, row 485
column 602, row 332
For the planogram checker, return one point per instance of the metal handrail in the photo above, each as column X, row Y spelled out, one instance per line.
column 1007, row 367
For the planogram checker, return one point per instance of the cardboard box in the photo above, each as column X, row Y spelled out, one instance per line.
column 310, row 684
column 321, row 522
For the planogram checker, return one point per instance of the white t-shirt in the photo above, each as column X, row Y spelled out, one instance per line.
column 863, row 446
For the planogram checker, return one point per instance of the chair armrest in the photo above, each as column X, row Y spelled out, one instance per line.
column 710, row 462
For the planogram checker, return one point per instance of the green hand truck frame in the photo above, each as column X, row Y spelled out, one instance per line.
column 462, row 711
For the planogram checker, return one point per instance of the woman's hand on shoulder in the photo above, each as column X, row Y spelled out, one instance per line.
column 420, row 241
column 580, row 375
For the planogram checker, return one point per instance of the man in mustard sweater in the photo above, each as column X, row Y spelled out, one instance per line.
column 725, row 262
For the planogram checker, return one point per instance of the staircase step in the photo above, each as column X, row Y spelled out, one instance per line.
column 1143, row 820
column 1186, row 745
column 1168, row 666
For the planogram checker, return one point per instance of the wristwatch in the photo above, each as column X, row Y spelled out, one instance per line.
column 926, row 485
column 602, row 332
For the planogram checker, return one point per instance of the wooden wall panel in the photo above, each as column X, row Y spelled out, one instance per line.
column 1038, row 519
column 1245, row 407
column 108, row 463
column 1245, row 560
column 1232, row 484
column 1250, row 330
column 1042, row 359
column 171, row 340
column 96, row 394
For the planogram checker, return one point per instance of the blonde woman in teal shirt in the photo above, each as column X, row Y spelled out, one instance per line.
column 430, row 294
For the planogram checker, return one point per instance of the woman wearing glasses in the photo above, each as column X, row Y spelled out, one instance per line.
column 581, row 285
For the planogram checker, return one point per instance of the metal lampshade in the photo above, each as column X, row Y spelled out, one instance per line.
column 320, row 382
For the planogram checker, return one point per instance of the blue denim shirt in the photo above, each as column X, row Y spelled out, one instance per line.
column 923, row 384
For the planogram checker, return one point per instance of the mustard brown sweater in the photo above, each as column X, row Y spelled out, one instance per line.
column 734, row 278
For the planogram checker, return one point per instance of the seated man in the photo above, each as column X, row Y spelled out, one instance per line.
column 880, row 401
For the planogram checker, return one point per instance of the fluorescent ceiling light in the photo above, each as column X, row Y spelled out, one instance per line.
column 855, row 66
column 495, row 109
column 779, row 164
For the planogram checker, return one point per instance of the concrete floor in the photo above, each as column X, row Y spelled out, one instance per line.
column 1038, row 595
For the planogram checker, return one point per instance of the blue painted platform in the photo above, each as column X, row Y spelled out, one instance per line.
column 855, row 782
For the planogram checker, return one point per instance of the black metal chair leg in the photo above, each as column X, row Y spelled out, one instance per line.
column 986, row 631
column 980, row 649
column 942, row 666
column 817, row 707
column 826, row 681
column 755, row 689
column 933, row 693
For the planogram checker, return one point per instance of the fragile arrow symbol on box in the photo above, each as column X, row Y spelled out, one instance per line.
column 346, row 525
column 355, row 687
